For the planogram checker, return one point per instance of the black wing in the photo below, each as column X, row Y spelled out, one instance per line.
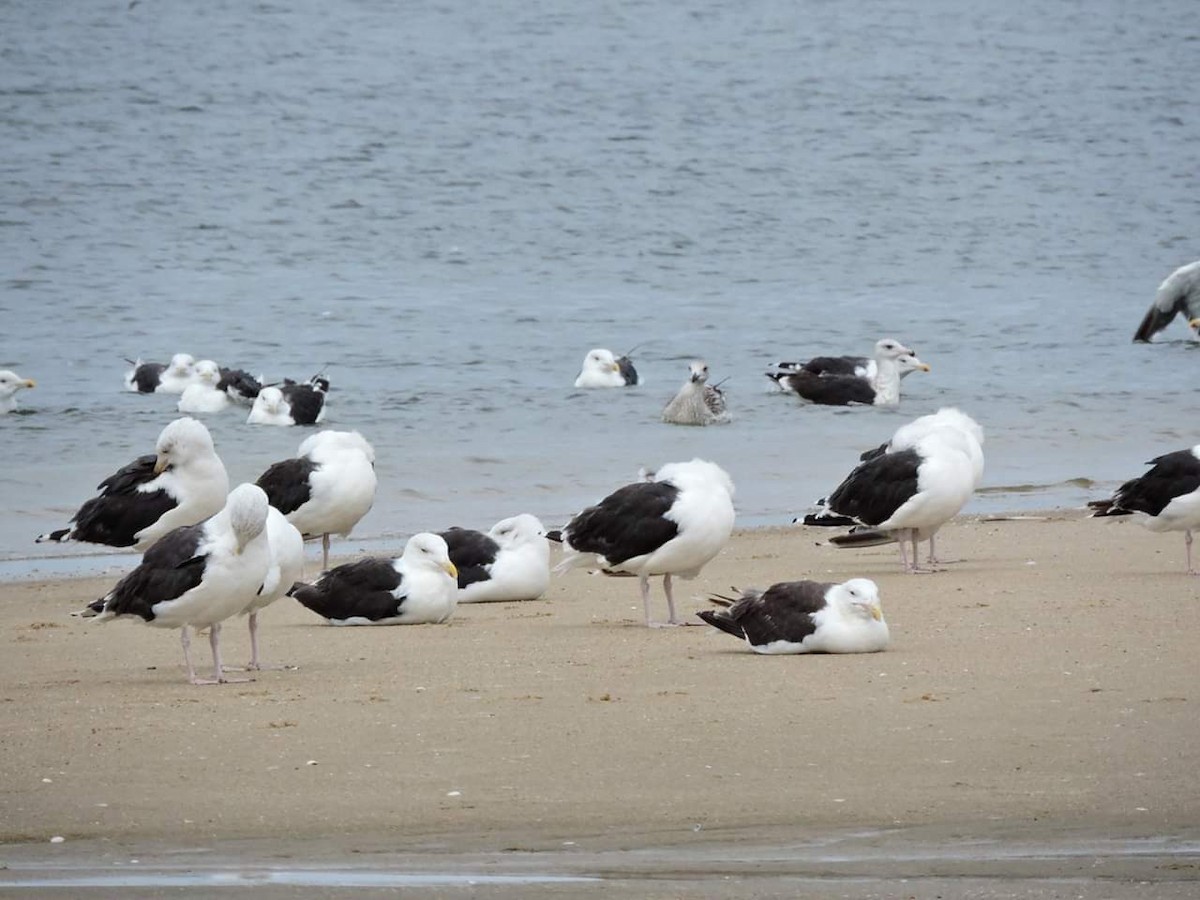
column 783, row 612
column 239, row 382
column 628, row 372
column 168, row 570
column 363, row 588
column 628, row 522
column 836, row 365
column 146, row 377
column 877, row 488
column 287, row 484
column 1156, row 318
column 306, row 402
column 471, row 552
column 830, row 390
column 121, row 510
column 1172, row 475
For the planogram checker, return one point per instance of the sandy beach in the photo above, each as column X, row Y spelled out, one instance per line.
column 1044, row 684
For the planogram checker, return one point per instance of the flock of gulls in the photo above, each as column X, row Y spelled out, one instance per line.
column 211, row 553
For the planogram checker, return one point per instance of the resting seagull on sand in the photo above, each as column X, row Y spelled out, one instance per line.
column 698, row 402
column 10, row 383
column 805, row 617
column 326, row 488
column 197, row 576
column 602, row 369
column 1178, row 294
column 670, row 525
column 1167, row 497
column 510, row 562
column 181, row 483
column 419, row 588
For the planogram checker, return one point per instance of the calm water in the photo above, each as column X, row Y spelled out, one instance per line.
column 447, row 205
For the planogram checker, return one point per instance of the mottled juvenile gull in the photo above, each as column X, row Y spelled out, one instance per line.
column 698, row 402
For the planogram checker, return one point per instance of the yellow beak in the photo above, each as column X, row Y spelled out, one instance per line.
column 451, row 570
column 876, row 613
column 29, row 382
column 924, row 368
column 614, row 368
column 160, row 464
column 1194, row 323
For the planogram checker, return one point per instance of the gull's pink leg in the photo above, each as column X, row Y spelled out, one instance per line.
column 903, row 554
column 325, row 553
column 1187, row 542
column 644, row 585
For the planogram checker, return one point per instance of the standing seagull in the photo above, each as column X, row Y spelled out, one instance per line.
column 419, row 588
column 698, row 402
column 883, row 389
column 602, row 369
column 805, row 617
column 510, row 562
column 670, row 525
column 1168, row 495
column 197, row 575
column 286, row 567
column 911, row 492
column 326, row 488
column 181, row 483
column 10, row 383
column 1179, row 293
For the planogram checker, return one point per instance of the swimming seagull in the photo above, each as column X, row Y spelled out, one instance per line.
column 181, row 483
column 197, row 576
column 10, row 383
column 602, row 369
column 239, row 385
column 1167, row 497
column 1179, row 293
column 509, row 562
column 203, row 395
column 861, row 366
column 150, row 378
column 698, row 402
column 843, row 390
column 418, row 588
column 290, row 403
column 326, row 488
column 805, row 617
column 911, row 492
column 286, row 548
column 670, row 525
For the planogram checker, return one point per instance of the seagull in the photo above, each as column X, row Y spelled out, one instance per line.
column 670, row 525
column 10, row 383
column 150, row 378
column 842, row 390
column 698, row 402
column 1179, row 293
column 1167, row 497
column 290, row 403
column 183, row 482
column 197, row 576
column 326, row 488
column 203, row 395
column 805, row 617
column 602, row 369
column 911, row 492
column 860, row 366
column 418, row 588
column 510, row 562
column 239, row 385
column 286, row 567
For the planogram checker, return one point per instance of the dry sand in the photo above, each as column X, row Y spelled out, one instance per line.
column 1045, row 684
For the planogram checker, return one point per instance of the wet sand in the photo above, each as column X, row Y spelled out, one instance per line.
column 1042, row 687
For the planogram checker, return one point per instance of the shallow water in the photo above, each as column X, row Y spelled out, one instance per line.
column 446, row 207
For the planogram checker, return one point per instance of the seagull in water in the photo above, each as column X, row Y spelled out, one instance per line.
column 602, row 369
column 805, row 617
column 1166, row 498
column 860, row 366
column 181, row 483
column 203, row 395
column 698, row 402
column 151, row 378
column 883, row 389
column 197, row 576
column 10, row 383
column 671, row 524
column 1178, row 294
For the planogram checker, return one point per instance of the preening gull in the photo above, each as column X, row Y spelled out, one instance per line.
column 912, row 492
column 860, row 366
column 1179, row 293
column 511, row 561
column 1166, row 498
column 670, row 525
column 418, row 588
column 602, row 369
column 181, row 483
column 842, row 390
column 197, row 576
column 326, row 488
column 805, row 617
column 286, row 567
column 203, row 395
column 698, row 402
column 239, row 385
column 10, row 383
column 151, row 377
column 290, row 403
